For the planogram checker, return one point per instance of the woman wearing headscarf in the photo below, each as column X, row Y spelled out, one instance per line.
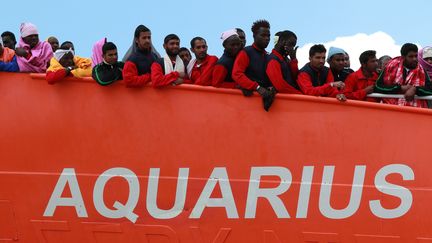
column 65, row 63
column 137, row 68
column 32, row 55
column 97, row 55
column 425, row 59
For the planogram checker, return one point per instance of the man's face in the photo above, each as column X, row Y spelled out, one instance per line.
column 200, row 49
column 67, row 60
column 285, row 46
column 185, row 56
column 317, row 60
column 54, row 43
column 337, row 62
column 9, row 42
column 262, row 38
column 144, row 41
column 68, row 46
column 111, row 56
column 172, row 47
column 410, row 60
column 233, row 45
column 347, row 62
column 31, row 40
column 371, row 65
column 242, row 37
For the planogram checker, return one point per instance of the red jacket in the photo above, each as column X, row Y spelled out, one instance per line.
column 202, row 73
column 240, row 65
column 131, row 77
column 54, row 76
column 305, row 83
column 159, row 78
column 274, row 72
column 218, row 79
column 355, row 84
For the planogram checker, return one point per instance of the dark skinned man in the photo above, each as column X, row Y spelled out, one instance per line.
column 200, row 69
column 170, row 69
column 282, row 71
column 242, row 36
column 64, row 63
column 362, row 82
column 9, row 40
column 336, row 60
column 137, row 68
column 403, row 75
column 222, row 72
column 110, row 69
column 185, row 55
column 32, row 55
column 249, row 70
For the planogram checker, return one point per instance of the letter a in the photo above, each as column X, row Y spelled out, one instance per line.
column 67, row 177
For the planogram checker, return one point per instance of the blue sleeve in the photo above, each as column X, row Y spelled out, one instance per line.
column 10, row 66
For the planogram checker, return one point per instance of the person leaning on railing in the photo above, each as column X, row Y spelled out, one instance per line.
column 361, row 83
column 403, row 75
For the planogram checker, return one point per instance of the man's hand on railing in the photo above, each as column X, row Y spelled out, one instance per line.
column 341, row 97
column 369, row 89
column 410, row 93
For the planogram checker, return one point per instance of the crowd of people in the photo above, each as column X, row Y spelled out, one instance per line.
column 248, row 68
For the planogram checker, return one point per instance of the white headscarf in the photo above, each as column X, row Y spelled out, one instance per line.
column 27, row 29
column 1, row 41
column 60, row 53
column 227, row 34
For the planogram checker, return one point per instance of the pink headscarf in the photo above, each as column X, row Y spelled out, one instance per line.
column 27, row 29
column 40, row 57
column 426, row 66
column 97, row 55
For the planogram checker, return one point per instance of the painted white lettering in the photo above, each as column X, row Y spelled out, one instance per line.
column 271, row 194
column 304, row 195
column 218, row 176
column 67, row 177
column 180, row 197
column 356, row 193
column 394, row 190
column 122, row 210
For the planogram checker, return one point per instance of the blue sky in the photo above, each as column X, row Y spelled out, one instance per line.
column 85, row 22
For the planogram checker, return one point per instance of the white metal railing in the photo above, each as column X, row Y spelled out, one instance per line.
column 378, row 95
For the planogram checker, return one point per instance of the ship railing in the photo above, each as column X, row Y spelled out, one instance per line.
column 397, row 96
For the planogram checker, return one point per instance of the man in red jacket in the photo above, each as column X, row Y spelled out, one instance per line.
column 316, row 79
column 200, row 69
column 362, row 82
column 222, row 72
column 282, row 71
column 136, row 71
column 249, row 70
column 170, row 69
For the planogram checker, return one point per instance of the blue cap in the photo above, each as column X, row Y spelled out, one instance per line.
column 333, row 51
